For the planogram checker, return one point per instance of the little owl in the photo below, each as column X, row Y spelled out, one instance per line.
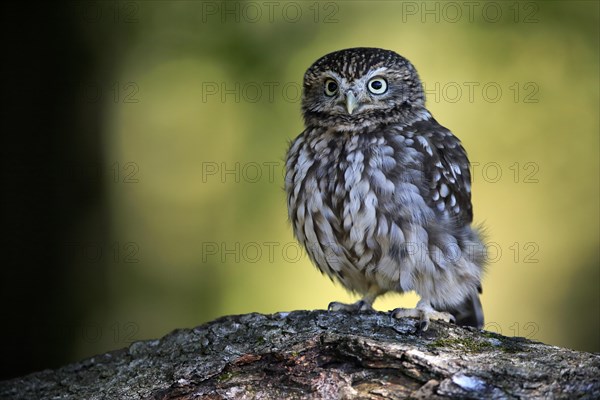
column 379, row 193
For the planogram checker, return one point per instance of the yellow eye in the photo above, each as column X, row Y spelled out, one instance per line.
column 331, row 87
column 377, row 85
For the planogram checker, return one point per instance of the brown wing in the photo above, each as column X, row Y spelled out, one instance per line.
column 446, row 170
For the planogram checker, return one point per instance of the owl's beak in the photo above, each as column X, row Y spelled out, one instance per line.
column 351, row 101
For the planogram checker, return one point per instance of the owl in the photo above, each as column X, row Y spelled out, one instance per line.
column 379, row 193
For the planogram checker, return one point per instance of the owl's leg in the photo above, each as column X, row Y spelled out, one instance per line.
column 425, row 312
column 364, row 304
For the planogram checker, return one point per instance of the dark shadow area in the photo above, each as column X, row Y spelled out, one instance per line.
column 53, row 198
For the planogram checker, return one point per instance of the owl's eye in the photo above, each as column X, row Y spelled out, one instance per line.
column 331, row 87
column 377, row 85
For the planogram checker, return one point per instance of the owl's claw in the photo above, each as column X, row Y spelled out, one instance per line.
column 424, row 313
column 359, row 306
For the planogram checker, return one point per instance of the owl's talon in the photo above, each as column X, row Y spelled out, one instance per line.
column 359, row 306
column 424, row 313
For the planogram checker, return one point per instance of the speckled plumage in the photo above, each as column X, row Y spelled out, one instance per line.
column 379, row 193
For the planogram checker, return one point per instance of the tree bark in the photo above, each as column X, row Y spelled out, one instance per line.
column 321, row 355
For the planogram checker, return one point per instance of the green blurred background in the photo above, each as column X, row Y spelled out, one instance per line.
column 166, row 207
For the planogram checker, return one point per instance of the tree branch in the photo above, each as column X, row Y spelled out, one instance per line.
column 320, row 354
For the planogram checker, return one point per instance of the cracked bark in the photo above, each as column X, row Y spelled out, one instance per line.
column 320, row 354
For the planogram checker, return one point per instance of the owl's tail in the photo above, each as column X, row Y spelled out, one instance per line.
column 469, row 312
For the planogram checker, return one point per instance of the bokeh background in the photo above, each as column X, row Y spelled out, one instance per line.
column 143, row 147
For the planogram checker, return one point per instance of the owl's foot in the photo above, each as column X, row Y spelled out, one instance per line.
column 425, row 313
column 365, row 304
column 359, row 306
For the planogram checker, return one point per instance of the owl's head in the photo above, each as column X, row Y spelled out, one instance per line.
column 360, row 84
